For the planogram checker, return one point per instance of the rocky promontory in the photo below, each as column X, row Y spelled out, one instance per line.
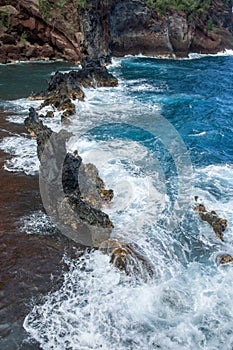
column 70, row 30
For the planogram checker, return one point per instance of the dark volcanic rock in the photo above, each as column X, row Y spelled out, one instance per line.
column 37, row 129
column 115, row 27
column 62, row 188
column 93, row 73
column 62, row 87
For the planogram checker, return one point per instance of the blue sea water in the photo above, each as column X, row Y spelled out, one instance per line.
column 161, row 137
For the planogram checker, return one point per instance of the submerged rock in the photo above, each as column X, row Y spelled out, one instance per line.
column 223, row 259
column 218, row 224
column 127, row 257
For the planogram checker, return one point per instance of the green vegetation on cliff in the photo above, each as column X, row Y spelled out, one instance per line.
column 188, row 6
column 46, row 6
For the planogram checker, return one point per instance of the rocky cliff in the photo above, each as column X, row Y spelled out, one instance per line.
column 37, row 29
column 61, row 29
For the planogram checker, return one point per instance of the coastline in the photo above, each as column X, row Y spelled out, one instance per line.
column 191, row 55
column 44, row 275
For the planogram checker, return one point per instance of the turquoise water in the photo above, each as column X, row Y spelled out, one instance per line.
column 161, row 137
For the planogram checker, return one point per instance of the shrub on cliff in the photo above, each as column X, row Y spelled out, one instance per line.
column 188, row 6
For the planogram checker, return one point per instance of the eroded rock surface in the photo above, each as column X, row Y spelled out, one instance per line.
column 65, row 197
column 32, row 29
column 128, row 257
column 218, row 224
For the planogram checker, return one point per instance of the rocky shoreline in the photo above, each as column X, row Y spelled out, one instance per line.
column 71, row 30
column 72, row 192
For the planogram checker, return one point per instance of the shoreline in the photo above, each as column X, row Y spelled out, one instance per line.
column 32, row 255
column 190, row 56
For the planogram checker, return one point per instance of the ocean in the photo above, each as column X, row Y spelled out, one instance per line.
column 160, row 138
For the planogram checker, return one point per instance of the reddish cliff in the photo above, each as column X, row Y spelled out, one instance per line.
column 40, row 29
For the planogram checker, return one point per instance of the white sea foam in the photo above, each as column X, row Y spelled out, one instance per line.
column 225, row 52
column 100, row 308
column 23, row 154
column 116, row 62
column 37, row 223
column 188, row 304
column 199, row 134
column 214, row 187
column 191, row 55
column 20, row 106
column 136, row 177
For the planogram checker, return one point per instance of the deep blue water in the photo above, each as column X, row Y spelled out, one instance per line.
column 196, row 97
column 162, row 136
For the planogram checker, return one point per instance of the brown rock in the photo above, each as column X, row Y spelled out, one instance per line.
column 127, row 257
column 205, row 41
column 12, row 49
column 218, row 224
column 46, row 51
column 29, row 23
column 224, row 259
column 7, row 39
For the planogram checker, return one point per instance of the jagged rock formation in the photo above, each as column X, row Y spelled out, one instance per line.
column 65, row 87
column 128, row 257
column 63, row 181
column 74, row 194
column 218, row 224
column 35, row 29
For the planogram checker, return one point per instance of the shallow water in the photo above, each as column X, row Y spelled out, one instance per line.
column 159, row 138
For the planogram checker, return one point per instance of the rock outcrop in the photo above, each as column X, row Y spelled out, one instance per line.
column 63, row 181
column 218, row 224
column 71, row 30
column 65, row 87
column 128, row 257
column 37, row 29
column 74, row 195
column 223, row 259
column 136, row 28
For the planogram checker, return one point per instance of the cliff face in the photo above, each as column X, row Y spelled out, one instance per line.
column 34, row 29
column 30, row 30
column 136, row 28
